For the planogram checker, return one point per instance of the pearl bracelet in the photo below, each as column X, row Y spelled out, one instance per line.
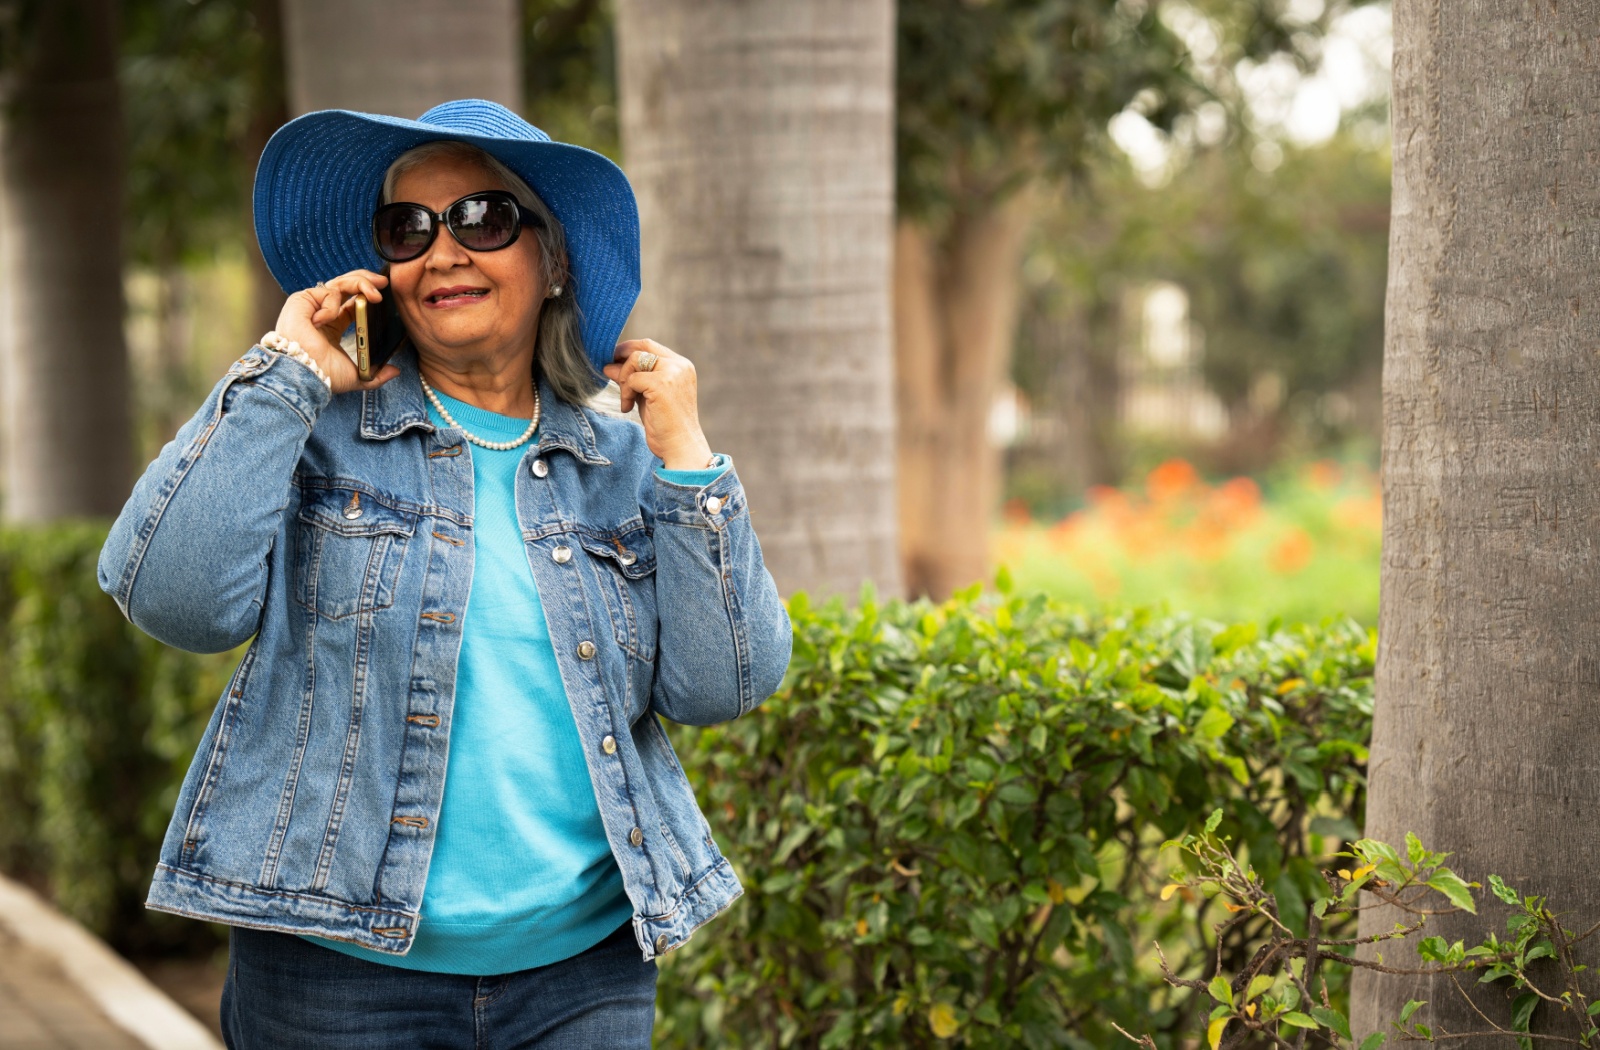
column 290, row 348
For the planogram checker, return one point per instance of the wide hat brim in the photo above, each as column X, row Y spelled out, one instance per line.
column 318, row 181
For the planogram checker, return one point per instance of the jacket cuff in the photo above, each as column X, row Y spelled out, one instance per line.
column 293, row 383
column 712, row 505
column 703, row 476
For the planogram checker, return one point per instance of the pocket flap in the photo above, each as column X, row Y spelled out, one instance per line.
column 351, row 512
column 633, row 553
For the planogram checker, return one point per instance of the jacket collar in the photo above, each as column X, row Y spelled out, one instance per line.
column 399, row 405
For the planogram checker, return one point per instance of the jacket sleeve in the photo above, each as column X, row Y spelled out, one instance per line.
column 186, row 560
column 725, row 637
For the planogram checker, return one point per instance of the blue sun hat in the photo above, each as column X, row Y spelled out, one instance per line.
column 318, row 182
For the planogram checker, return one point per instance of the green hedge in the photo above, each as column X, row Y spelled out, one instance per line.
column 948, row 821
column 97, row 725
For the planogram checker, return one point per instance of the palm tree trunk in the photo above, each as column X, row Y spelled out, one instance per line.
column 956, row 305
column 759, row 137
column 1489, row 659
column 63, row 364
column 401, row 57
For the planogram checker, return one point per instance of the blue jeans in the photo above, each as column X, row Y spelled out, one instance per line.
column 284, row 992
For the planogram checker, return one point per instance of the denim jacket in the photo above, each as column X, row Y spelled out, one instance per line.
column 337, row 530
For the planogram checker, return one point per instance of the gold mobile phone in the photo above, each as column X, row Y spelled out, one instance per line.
column 379, row 334
column 363, row 339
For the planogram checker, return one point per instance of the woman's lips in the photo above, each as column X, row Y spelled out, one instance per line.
column 457, row 295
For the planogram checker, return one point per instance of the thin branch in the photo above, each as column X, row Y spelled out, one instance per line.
column 1145, row 1041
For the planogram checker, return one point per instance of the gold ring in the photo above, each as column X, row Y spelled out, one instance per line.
column 646, row 361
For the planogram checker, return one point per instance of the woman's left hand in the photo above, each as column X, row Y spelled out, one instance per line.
column 666, row 397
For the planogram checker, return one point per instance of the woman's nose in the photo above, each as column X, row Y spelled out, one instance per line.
column 446, row 252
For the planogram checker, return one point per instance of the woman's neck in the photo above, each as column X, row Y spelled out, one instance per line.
column 502, row 386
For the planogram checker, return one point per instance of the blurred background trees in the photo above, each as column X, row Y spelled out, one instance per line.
column 1126, row 231
column 1133, row 252
column 63, row 368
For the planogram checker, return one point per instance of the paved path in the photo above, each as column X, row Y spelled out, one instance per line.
column 41, row 1009
column 62, row 989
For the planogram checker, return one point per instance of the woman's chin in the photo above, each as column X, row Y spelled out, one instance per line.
column 450, row 339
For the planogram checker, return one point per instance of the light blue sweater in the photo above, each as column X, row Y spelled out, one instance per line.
column 521, row 873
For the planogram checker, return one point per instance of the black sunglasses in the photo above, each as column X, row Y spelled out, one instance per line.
column 483, row 222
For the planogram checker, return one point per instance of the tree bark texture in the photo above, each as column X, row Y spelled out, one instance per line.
column 956, row 303
column 759, row 138
column 1489, row 630
column 401, row 57
column 64, row 399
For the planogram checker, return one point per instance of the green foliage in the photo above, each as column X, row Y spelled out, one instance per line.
column 949, row 820
column 1274, row 998
column 194, row 75
column 1284, row 273
column 97, row 725
column 991, row 94
column 569, row 72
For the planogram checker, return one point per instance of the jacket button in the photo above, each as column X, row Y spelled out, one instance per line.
column 661, row 944
column 561, row 555
column 609, row 746
column 352, row 510
column 636, row 837
column 586, row 650
column 627, row 557
column 713, row 504
column 539, row 467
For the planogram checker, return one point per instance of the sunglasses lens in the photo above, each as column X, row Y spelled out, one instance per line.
column 402, row 232
column 484, row 223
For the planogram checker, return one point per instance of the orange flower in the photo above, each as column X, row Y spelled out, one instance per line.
column 1324, row 474
column 1171, row 480
column 1292, row 553
column 1065, row 538
column 1099, row 494
column 1237, row 500
column 1207, row 540
column 1016, row 511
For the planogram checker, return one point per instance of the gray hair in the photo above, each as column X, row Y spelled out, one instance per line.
column 559, row 353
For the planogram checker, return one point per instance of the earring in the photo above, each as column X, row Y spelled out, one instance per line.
column 555, row 291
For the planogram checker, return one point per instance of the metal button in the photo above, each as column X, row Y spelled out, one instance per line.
column 713, row 504
column 352, row 510
column 539, row 467
column 627, row 557
column 586, row 650
column 609, row 744
column 661, row 944
column 636, row 837
column 562, row 554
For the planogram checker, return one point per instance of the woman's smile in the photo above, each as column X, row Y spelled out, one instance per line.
column 455, row 295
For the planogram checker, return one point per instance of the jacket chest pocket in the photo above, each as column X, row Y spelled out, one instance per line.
column 625, row 565
column 348, row 551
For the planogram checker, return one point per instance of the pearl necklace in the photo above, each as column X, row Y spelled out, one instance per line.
column 499, row 446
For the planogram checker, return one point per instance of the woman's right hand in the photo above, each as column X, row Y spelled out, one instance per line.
column 317, row 317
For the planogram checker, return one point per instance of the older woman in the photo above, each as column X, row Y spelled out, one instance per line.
column 459, row 564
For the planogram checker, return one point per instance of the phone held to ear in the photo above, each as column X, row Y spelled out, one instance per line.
column 378, row 335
